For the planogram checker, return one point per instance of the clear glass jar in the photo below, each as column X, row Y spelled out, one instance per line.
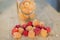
column 25, row 10
column 36, row 10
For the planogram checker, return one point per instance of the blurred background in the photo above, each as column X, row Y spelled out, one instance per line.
column 55, row 4
column 6, row 3
column 47, row 11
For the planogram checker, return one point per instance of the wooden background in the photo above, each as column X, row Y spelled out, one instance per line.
column 44, row 12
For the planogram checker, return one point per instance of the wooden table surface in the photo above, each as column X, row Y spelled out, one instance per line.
column 8, row 19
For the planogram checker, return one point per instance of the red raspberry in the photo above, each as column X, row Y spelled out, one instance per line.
column 37, row 31
column 29, row 23
column 24, row 26
column 48, row 29
column 17, row 26
column 25, row 33
column 14, row 30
